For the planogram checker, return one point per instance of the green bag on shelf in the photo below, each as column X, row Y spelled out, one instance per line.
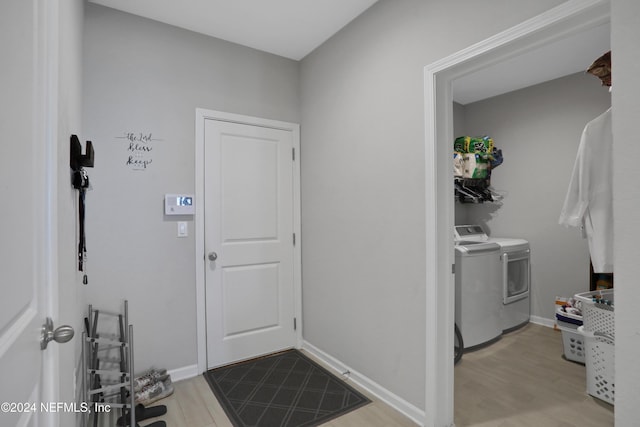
column 480, row 145
column 460, row 144
column 468, row 144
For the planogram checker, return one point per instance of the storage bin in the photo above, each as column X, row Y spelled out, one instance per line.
column 569, row 318
column 600, row 366
column 599, row 335
column 598, row 317
column 572, row 342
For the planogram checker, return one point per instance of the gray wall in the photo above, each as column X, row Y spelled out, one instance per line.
column 538, row 130
column 363, row 213
column 141, row 76
column 626, row 201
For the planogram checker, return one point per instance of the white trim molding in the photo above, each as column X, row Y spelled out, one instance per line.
column 184, row 373
column 391, row 399
column 201, row 318
column 542, row 321
column 565, row 20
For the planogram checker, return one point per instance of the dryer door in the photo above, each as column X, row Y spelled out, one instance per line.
column 516, row 276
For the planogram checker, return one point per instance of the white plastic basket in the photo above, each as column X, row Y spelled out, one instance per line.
column 572, row 342
column 599, row 333
column 598, row 317
column 600, row 366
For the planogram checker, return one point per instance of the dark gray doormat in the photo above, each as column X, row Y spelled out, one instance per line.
column 283, row 390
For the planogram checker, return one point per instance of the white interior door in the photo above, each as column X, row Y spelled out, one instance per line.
column 249, row 241
column 26, row 232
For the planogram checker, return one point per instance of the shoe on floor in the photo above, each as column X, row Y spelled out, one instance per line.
column 154, row 392
column 149, row 378
column 142, row 414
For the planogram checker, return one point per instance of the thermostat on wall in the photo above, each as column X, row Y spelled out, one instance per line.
column 179, row 204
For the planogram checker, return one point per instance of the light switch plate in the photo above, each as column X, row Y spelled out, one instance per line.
column 183, row 229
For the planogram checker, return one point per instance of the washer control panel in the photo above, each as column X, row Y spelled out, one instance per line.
column 469, row 232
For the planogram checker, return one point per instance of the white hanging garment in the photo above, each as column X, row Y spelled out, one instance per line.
column 589, row 200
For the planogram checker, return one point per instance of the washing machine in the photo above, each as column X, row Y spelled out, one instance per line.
column 516, row 275
column 478, row 272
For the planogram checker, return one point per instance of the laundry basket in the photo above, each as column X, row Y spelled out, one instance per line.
column 572, row 343
column 572, row 340
column 597, row 311
column 599, row 334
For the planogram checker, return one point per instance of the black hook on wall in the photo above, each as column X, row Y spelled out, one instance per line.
column 76, row 159
column 80, row 181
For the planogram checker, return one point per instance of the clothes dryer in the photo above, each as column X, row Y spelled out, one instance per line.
column 516, row 281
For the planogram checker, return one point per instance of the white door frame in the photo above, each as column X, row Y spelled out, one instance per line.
column 47, row 113
column 568, row 18
column 201, row 116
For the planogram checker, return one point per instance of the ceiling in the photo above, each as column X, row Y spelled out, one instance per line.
column 566, row 56
column 294, row 28
column 289, row 28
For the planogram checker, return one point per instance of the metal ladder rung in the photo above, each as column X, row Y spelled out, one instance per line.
column 108, row 372
column 108, row 388
column 107, row 341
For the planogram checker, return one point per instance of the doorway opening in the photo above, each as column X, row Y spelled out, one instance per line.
column 568, row 20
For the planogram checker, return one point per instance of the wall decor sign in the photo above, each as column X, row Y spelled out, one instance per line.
column 139, row 149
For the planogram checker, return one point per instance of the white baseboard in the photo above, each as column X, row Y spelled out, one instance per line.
column 543, row 321
column 184, row 373
column 399, row 404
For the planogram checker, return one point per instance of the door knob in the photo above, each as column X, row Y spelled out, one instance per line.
column 212, row 256
column 61, row 335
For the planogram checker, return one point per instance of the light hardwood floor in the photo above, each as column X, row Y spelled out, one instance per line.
column 194, row 405
column 521, row 380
